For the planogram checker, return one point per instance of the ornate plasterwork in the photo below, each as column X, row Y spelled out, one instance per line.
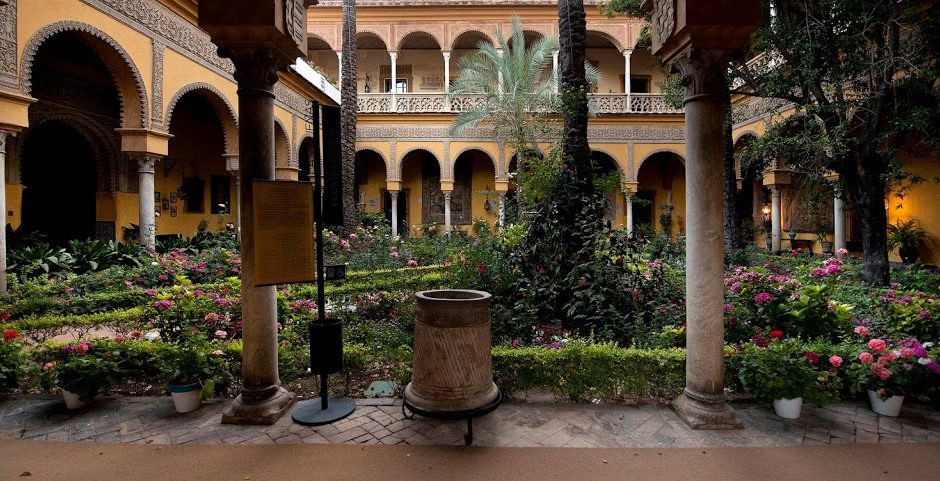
column 223, row 109
column 295, row 147
column 126, row 64
column 703, row 72
column 157, row 87
column 436, row 31
column 279, row 127
column 295, row 20
column 8, row 44
column 612, row 133
column 756, row 108
column 160, row 23
column 664, row 20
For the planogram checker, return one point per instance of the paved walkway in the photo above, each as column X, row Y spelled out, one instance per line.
column 152, row 420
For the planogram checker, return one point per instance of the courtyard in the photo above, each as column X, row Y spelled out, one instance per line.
column 621, row 236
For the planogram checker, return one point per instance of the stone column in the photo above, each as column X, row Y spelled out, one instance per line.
column 702, row 404
column 394, row 56
column 499, row 74
column 775, row 227
column 555, row 69
column 147, row 223
column 339, row 61
column 231, row 166
column 4, row 136
column 628, row 205
column 393, row 194
column 838, row 221
column 447, row 212
column 626, row 76
column 262, row 400
column 446, row 54
column 501, row 209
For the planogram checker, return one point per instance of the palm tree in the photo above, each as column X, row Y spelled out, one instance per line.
column 512, row 82
column 348, row 105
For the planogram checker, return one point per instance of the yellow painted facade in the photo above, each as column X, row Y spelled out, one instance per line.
column 155, row 62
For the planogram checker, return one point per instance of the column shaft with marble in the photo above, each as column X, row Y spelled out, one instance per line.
column 393, row 196
column 339, row 72
column 628, row 206
column 446, row 54
column 838, row 221
column 262, row 399
column 626, row 77
column 4, row 138
column 501, row 209
column 447, row 223
column 231, row 166
column 394, row 57
column 145, row 188
column 775, row 222
column 703, row 404
column 555, row 69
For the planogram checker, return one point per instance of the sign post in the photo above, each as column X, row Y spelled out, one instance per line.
column 326, row 335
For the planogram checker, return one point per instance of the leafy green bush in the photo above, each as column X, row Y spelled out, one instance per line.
column 584, row 370
column 789, row 369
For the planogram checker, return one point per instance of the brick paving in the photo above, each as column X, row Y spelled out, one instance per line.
column 152, row 420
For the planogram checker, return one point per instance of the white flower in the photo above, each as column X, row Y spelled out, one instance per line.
column 927, row 345
column 923, row 361
column 154, row 263
column 152, row 335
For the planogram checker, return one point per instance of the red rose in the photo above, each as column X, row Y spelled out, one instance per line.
column 10, row 335
column 812, row 357
column 776, row 334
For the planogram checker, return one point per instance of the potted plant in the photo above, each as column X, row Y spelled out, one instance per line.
column 906, row 236
column 81, row 372
column 822, row 237
column 786, row 373
column 189, row 370
column 887, row 369
column 792, row 235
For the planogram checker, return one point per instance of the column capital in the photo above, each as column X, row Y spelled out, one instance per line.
column 3, row 140
column 393, row 54
column 446, row 54
column 703, row 72
column 255, row 68
column 145, row 162
column 231, row 162
column 447, row 194
column 627, row 52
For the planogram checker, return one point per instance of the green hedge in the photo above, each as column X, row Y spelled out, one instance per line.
column 44, row 327
column 582, row 371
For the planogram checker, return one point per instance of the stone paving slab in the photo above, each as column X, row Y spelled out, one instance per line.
column 152, row 420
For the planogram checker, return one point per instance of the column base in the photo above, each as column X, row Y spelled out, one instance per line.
column 266, row 412
column 703, row 415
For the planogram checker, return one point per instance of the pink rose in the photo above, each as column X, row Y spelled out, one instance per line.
column 877, row 345
column 836, row 361
column 907, row 353
column 412, row 263
column 217, row 352
column 866, row 358
column 47, row 366
column 221, row 334
column 861, row 330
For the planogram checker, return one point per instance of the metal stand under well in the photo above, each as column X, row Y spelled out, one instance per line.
column 452, row 415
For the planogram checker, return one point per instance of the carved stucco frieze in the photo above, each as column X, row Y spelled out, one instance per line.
column 8, row 44
column 158, row 22
column 663, row 21
column 157, row 87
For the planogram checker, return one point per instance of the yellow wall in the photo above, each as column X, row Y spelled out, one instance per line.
column 14, row 204
column 921, row 203
column 372, row 186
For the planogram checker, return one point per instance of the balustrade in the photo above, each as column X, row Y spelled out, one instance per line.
column 439, row 102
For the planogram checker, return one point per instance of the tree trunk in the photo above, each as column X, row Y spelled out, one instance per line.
column 571, row 37
column 348, row 106
column 732, row 236
column 866, row 192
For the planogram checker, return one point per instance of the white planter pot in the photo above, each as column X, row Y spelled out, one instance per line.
column 186, row 398
column 788, row 408
column 72, row 401
column 885, row 407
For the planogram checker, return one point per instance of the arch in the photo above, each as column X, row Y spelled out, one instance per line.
column 371, row 35
column 388, row 166
column 401, row 159
column 223, row 108
column 130, row 85
column 471, row 32
column 283, row 153
column 746, row 133
column 653, row 153
column 318, row 41
column 606, row 36
column 490, row 155
column 612, row 157
column 417, row 33
column 529, row 36
column 101, row 140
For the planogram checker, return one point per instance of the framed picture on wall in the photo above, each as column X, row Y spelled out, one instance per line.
column 166, row 204
column 173, row 211
column 156, row 197
column 173, row 197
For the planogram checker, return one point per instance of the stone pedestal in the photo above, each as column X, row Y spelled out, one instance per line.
column 262, row 400
column 703, row 404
